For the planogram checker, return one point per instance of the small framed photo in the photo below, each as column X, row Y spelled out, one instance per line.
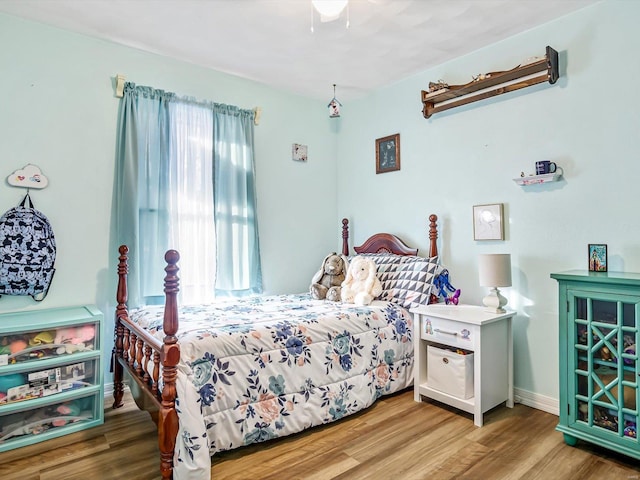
column 597, row 257
column 487, row 222
column 388, row 153
column 299, row 152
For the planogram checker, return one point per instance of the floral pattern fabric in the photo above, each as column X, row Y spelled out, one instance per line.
column 263, row 367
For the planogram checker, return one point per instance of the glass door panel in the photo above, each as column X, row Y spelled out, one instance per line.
column 604, row 358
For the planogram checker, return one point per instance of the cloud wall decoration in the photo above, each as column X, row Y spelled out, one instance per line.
column 28, row 177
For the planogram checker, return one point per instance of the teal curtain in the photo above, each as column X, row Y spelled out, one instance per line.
column 141, row 191
column 149, row 190
column 238, row 262
column 126, row 189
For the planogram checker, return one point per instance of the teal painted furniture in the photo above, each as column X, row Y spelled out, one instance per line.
column 599, row 369
column 51, row 379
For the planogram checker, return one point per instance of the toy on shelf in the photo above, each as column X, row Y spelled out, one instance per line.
column 39, row 421
column 630, row 430
column 69, row 411
column 629, row 350
column 41, row 344
column 606, row 355
column 41, row 338
column 442, row 284
column 9, row 381
column 12, row 344
column 75, row 335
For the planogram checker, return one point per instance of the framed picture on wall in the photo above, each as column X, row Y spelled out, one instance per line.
column 299, row 152
column 487, row 222
column 388, row 153
column 597, row 257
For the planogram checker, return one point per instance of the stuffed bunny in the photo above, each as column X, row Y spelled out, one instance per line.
column 362, row 284
column 326, row 282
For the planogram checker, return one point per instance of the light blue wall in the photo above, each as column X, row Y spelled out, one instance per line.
column 59, row 112
column 587, row 122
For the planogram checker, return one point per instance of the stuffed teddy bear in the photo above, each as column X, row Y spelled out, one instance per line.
column 41, row 338
column 75, row 335
column 13, row 344
column 362, row 284
column 325, row 284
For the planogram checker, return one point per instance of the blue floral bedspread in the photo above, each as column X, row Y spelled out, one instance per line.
column 264, row 367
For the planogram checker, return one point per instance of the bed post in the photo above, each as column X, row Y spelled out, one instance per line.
column 433, row 235
column 345, row 237
column 170, row 355
column 433, row 247
column 121, row 311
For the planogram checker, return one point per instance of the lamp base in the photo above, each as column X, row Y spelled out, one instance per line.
column 495, row 301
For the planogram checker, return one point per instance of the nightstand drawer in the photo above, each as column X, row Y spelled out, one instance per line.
column 448, row 332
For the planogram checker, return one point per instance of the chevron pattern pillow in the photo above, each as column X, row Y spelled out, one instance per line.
column 406, row 280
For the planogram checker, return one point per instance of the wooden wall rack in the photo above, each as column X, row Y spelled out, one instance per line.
column 492, row 84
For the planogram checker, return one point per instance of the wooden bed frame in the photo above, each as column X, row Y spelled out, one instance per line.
column 135, row 349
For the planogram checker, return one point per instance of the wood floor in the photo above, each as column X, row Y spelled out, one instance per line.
column 396, row 439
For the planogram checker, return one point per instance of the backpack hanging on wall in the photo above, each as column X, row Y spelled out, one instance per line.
column 27, row 251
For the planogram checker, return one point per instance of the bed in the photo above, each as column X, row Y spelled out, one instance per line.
column 238, row 372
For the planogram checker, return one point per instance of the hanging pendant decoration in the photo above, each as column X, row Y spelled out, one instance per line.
column 334, row 105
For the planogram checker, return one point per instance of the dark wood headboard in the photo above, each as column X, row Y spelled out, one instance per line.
column 389, row 243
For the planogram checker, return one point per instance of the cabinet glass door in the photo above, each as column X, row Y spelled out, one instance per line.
column 603, row 331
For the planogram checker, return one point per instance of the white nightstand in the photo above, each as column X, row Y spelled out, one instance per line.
column 468, row 327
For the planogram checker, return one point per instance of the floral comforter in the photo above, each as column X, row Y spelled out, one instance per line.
column 264, row 367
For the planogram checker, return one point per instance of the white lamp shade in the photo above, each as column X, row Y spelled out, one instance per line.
column 495, row 269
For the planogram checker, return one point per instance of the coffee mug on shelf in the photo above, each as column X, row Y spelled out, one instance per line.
column 545, row 166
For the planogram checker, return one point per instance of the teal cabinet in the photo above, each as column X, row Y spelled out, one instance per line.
column 51, row 379
column 599, row 316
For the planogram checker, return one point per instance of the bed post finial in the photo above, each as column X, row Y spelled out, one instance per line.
column 123, row 271
column 433, row 235
column 171, row 292
column 345, row 237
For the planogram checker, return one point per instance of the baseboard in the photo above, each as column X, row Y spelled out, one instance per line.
column 108, row 389
column 535, row 400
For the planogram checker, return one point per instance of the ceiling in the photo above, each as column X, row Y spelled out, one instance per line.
column 270, row 41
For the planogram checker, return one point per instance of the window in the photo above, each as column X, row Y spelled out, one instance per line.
column 195, row 193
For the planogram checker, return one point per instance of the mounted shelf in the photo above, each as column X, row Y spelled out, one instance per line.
column 537, row 179
column 444, row 97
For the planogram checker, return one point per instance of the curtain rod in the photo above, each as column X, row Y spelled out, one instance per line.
column 257, row 111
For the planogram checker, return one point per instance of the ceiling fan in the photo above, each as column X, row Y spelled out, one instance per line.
column 331, row 10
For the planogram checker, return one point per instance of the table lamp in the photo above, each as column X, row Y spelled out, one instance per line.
column 495, row 271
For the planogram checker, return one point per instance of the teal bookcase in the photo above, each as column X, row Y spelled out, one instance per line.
column 599, row 316
column 51, row 375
